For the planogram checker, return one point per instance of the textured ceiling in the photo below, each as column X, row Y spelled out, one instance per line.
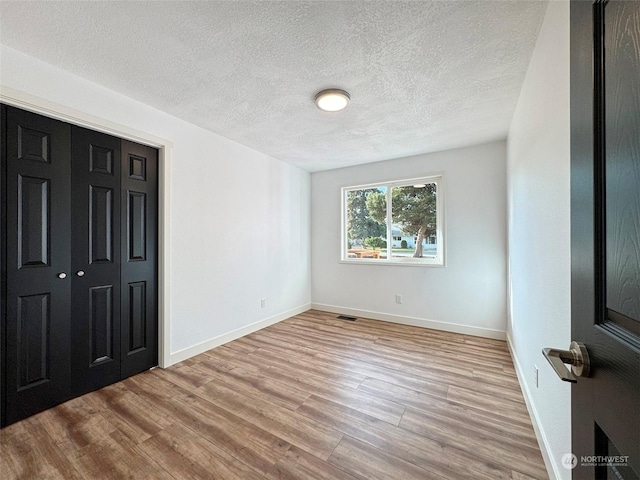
column 423, row 75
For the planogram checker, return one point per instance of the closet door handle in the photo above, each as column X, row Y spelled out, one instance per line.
column 62, row 275
column 80, row 273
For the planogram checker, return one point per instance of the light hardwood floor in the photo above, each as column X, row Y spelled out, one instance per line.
column 311, row 397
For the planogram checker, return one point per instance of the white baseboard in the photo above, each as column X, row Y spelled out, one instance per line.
column 547, row 456
column 189, row 352
column 416, row 322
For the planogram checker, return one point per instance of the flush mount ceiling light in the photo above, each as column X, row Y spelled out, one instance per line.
column 332, row 100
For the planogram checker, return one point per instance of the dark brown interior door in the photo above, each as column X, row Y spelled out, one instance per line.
column 95, row 300
column 36, row 155
column 139, row 271
column 605, row 217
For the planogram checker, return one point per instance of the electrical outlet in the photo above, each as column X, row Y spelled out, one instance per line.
column 535, row 375
column 398, row 298
column 263, row 303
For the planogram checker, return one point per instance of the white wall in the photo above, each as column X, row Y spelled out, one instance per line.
column 239, row 227
column 469, row 294
column 539, row 232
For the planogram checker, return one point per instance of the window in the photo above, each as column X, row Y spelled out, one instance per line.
column 396, row 222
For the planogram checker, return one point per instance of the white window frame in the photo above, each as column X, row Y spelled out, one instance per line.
column 433, row 261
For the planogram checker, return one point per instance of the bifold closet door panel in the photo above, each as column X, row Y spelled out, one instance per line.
column 139, row 270
column 38, row 277
column 95, row 299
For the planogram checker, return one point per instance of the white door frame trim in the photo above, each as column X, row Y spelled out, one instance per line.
column 47, row 108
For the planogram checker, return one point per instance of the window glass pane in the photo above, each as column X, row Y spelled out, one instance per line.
column 366, row 223
column 395, row 222
column 414, row 220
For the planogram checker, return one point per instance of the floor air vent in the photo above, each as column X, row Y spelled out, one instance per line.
column 345, row 317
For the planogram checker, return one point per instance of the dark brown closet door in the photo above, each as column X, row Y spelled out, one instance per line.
column 95, row 304
column 139, row 270
column 79, row 265
column 36, row 156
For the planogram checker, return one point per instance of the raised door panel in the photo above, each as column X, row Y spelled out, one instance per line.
column 33, row 324
column 101, row 222
column 137, row 226
column 137, row 167
column 33, row 221
column 101, row 318
column 622, row 100
column 137, row 317
column 96, row 260
column 33, row 144
column 101, row 159
column 139, row 264
column 36, row 166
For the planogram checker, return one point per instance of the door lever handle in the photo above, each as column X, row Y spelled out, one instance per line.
column 577, row 356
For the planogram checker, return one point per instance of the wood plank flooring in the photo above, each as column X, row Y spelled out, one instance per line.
column 311, row 397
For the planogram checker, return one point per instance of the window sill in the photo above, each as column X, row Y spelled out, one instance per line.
column 427, row 262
